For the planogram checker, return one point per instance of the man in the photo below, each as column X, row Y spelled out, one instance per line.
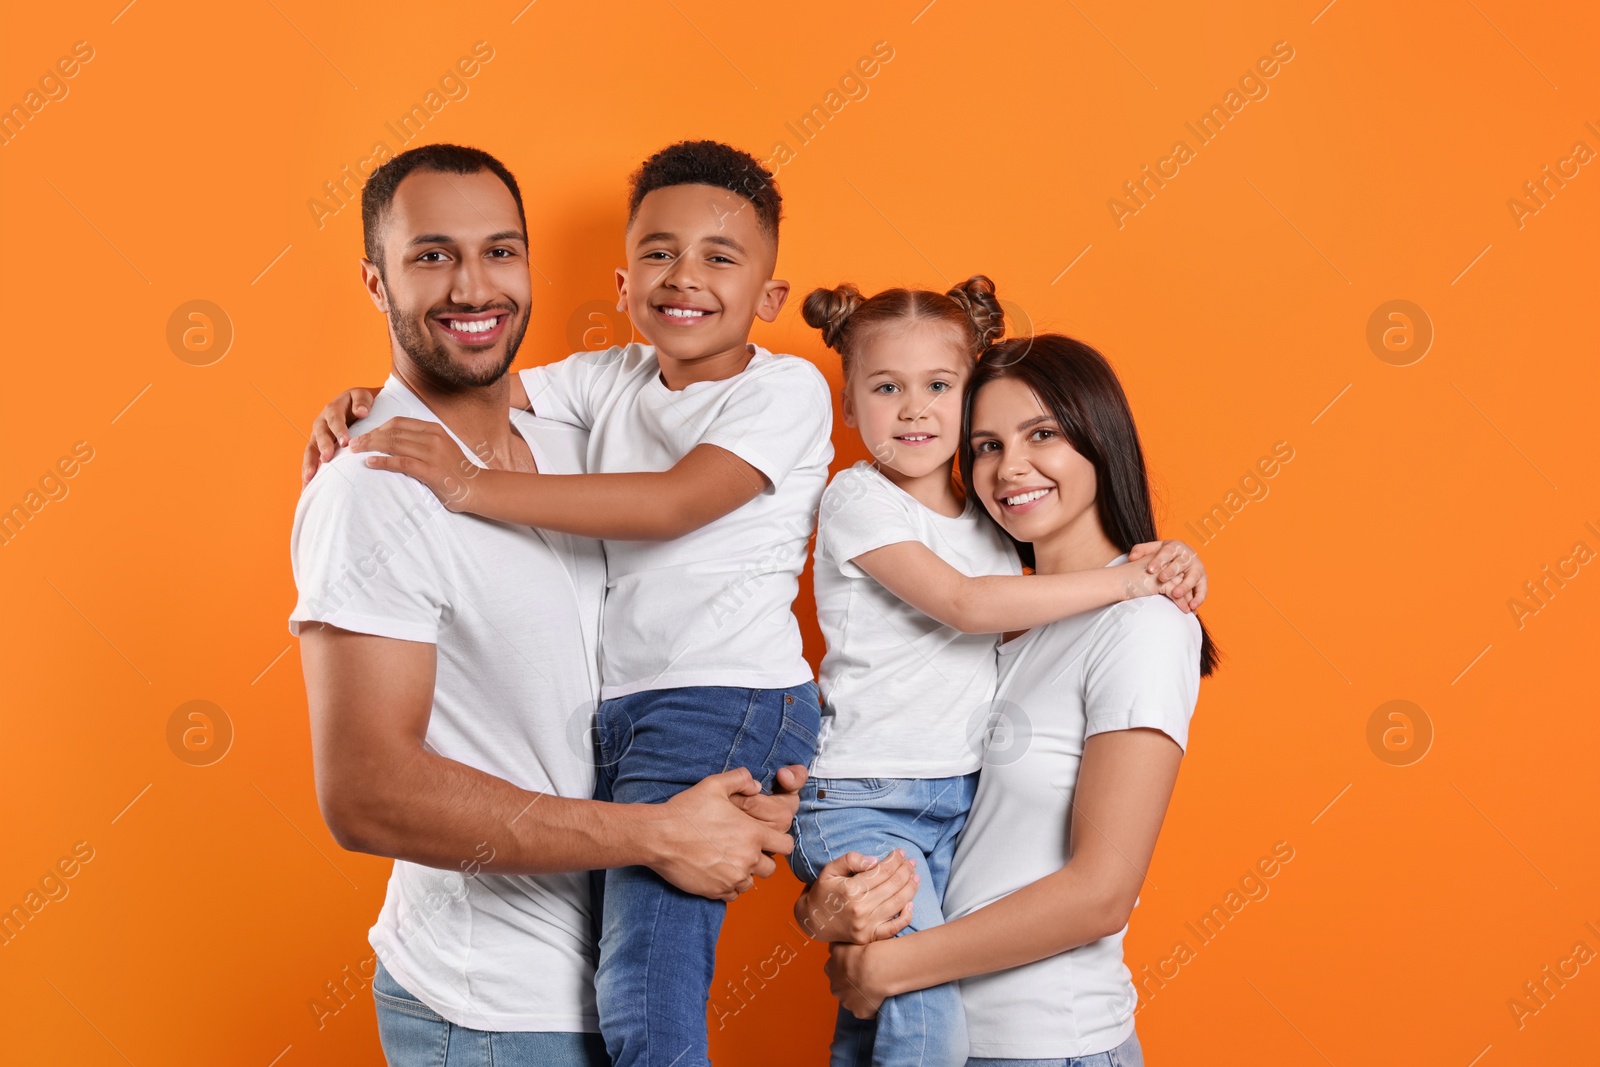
column 451, row 666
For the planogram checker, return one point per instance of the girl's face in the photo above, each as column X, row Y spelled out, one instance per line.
column 904, row 395
column 1026, row 472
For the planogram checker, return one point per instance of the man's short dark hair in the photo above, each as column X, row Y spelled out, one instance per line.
column 378, row 193
column 710, row 163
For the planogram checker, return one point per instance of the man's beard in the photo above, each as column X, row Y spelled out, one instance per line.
column 432, row 358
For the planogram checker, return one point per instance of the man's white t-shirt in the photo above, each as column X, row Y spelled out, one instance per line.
column 714, row 607
column 514, row 614
column 1133, row 664
column 903, row 695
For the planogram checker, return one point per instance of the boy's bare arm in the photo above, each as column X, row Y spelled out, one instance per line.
column 703, row 486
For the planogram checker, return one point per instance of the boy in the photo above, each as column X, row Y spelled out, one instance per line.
column 711, row 456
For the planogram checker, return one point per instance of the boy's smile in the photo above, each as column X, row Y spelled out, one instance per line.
column 699, row 274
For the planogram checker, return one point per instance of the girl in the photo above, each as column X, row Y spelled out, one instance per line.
column 912, row 585
column 1059, row 835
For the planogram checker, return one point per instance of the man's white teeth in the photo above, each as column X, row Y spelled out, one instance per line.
column 1025, row 498
column 479, row 326
column 683, row 313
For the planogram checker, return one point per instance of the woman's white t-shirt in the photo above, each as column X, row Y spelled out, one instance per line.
column 1133, row 664
column 715, row 606
column 903, row 695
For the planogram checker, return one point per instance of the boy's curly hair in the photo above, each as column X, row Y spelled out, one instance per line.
column 710, row 163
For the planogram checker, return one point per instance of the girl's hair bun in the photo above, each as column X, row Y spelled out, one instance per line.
column 976, row 297
column 829, row 310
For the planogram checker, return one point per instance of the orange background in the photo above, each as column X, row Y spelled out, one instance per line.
column 1380, row 565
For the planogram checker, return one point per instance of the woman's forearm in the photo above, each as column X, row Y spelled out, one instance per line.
column 1044, row 918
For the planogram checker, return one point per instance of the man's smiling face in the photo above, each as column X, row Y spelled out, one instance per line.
column 699, row 272
column 455, row 281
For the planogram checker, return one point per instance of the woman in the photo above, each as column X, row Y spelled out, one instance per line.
column 1087, row 730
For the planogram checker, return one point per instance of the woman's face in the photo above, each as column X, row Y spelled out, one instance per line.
column 1026, row 472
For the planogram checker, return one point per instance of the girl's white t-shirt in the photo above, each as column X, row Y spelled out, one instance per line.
column 1129, row 665
column 714, row 607
column 903, row 695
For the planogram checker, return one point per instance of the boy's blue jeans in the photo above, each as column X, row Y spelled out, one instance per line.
column 658, row 944
column 873, row 816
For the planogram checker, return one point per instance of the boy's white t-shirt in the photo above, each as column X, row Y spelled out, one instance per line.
column 714, row 607
column 514, row 614
column 1132, row 664
column 903, row 695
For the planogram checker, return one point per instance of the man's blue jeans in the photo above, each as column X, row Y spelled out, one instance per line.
column 414, row 1035
column 658, row 944
column 873, row 816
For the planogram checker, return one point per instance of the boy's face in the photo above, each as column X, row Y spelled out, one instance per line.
column 699, row 272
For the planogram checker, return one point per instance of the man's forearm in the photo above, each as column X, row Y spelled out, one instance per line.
column 440, row 813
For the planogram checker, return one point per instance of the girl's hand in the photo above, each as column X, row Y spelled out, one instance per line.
column 332, row 428
column 859, row 898
column 424, row 451
column 852, row 975
column 1176, row 569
